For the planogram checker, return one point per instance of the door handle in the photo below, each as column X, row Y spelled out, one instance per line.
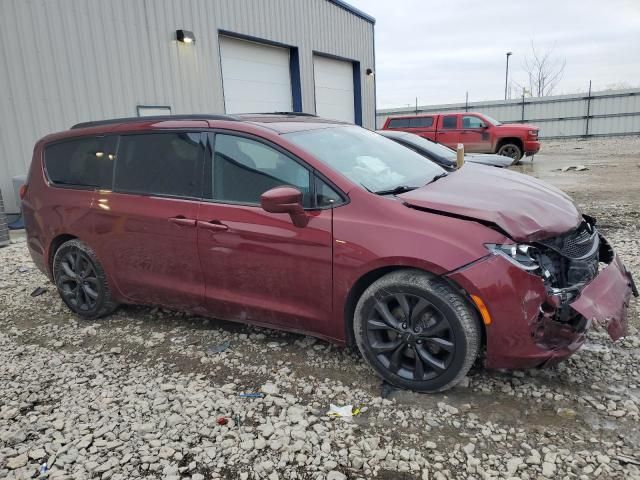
column 183, row 222
column 214, row 225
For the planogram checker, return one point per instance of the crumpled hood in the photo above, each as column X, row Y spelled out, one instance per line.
column 522, row 206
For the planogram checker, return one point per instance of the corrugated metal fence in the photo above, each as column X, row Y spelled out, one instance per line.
column 613, row 112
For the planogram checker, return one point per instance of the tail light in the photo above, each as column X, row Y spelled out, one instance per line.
column 23, row 190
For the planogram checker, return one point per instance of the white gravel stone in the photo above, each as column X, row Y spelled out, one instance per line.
column 270, row 389
column 17, row 462
column 37, row 454
column 335, row 475
column 174, row 420
column 513, row 464
column 548, row 469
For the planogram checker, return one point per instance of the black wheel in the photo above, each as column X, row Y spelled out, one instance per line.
column 511, row 150
column 81, row 281
column 416, row 331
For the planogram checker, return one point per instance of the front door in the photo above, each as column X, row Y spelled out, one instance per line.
column 146, row 227
column 258, row 266
column 474, row 135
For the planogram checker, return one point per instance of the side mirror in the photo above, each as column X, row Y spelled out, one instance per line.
column 484, row 126
column 285, row 200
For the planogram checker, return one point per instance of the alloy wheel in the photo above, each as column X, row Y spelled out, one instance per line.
column 510, row 151
column 78, row 281
column 409, row 336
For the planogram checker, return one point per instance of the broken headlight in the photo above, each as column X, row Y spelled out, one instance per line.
column 521, row 255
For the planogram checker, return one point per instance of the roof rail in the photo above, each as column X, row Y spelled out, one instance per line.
column 155, row 118
column 292, row 114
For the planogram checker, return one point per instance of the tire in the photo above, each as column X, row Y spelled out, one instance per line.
column 429, row 350
column 91, row 299
column 511, row 150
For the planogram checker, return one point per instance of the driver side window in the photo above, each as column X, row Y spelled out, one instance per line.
column 472, row 122
column 243, row 169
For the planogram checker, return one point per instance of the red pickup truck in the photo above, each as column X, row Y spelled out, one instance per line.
column 477, row 132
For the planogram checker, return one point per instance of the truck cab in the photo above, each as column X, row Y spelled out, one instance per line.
column 478, row 133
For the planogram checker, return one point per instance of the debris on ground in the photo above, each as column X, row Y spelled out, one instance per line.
column 344, row 412
column 252, row 395
column 38, row 291
column 222, row 347
column 626, row 459
column 577, row 168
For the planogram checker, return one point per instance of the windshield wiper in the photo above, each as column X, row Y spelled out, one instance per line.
column 439, row 176
column 396, row 190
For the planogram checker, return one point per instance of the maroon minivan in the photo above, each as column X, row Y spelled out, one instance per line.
column 316, row 226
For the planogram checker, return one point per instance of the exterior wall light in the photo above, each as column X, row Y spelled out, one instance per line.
column 185, row 36
column 369, row 72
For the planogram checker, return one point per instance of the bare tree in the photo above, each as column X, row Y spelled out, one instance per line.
column 619, row 86
column 543, row 71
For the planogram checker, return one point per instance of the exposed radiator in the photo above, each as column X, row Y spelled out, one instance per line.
column 4, row 229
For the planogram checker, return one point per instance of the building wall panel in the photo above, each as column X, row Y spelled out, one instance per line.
column 67, row 61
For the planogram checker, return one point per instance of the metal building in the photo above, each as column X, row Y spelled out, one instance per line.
column 68, row 61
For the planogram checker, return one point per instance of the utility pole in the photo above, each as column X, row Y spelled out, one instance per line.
column 506, row 76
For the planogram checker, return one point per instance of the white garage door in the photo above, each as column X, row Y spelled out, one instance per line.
column 256, row 78
column 334, row 88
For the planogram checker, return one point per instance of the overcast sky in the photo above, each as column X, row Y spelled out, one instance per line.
column 438, row 50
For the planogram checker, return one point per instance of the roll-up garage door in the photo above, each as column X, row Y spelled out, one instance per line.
column 334, row 88
column 256, row 77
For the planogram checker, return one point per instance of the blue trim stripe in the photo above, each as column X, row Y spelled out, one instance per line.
column 357, row 94
column 354, row 10
column 296, row 84
column 251, row 38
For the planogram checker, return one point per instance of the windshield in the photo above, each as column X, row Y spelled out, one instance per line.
column 492, row 121
column 430, row 147
column 375, row 162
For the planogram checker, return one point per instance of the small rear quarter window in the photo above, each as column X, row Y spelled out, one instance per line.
column 83, row 162
column 398, row 123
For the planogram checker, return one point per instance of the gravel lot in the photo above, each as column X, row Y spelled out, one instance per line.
column 140, row 393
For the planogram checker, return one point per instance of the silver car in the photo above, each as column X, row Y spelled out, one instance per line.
column 443, row 156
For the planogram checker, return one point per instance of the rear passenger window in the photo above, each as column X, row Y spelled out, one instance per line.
column 421, row 122
column 85, row 162
column 244, row 169
column 160, row 164
column 398, row 123
column 449, row 121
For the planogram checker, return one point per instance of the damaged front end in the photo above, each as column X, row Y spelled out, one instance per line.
column 562, row 285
